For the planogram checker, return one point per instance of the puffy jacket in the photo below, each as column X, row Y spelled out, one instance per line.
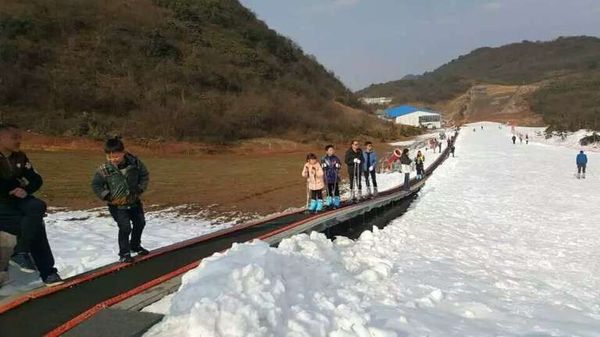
column 369, row 159
column 16, row 171
column 121, row 186
column 420, row 160
column 405, row 161
column 350, row 156
column 314, row 176
column 331, row 165
column 581, row 159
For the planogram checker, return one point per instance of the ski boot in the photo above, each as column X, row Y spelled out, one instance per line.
column 583, row 176
column 578, row 175
column 336, row 202
column 319, row 206
column 312, row 206
column 329, row 202
column 368, row 195
column 375, row 193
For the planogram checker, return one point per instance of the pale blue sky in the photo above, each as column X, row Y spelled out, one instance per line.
column 373, row 41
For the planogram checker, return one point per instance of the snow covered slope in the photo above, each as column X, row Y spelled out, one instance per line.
column 503, row 241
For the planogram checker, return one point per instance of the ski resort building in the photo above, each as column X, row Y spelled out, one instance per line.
column 410, row 115
column 376, row 100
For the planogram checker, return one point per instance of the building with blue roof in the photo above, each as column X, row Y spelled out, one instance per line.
column 411, row 115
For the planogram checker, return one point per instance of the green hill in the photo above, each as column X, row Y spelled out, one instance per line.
column 196, row 70
column 568, row 69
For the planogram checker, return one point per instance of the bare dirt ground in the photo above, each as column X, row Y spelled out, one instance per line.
column 494, row 103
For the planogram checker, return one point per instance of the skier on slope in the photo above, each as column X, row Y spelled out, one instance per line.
column 331, row 165
column 313, row 172
column 353, row 159
column 527, row 139
column 406, row 168
column 581, row 164
column 514, row 139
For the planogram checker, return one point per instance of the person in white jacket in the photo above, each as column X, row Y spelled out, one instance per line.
column 406, row 162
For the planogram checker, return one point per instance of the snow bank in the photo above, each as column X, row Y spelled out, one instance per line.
column 261, row 292
column 85, row 240
column 501, row 242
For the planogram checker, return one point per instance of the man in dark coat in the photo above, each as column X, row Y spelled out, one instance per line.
column 21, row 213
column 353, row 159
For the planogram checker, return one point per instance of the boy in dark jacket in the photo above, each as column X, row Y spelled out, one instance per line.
column 331, row 165
column 120, row 182
column 21, row 213
column 353, row 159
column 369, row 167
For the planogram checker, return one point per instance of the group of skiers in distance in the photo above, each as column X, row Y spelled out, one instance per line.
column 581, row 159
column 514, row 139
column 323, row 176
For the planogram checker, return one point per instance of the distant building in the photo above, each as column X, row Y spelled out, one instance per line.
column 376, row 100
column 410, row 115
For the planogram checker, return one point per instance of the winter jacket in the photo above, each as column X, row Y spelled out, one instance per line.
column 581, row 159
column 420, row 161
column 331, row 165
column 405, row 161
column 16, row 171
column 350, row 156
column 121, row 186
column 314, row 176
column 369, row 159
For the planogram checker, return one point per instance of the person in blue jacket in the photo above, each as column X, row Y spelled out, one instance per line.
column 581, row 164
column 331, row 166
column 369, row 167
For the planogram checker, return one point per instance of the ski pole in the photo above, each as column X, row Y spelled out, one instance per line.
column 356, row 177
column 307, row 192
column 335, row 183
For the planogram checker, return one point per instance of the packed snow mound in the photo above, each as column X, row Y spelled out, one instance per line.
column 501, row 242
column 270, row 297
column 86, row 240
